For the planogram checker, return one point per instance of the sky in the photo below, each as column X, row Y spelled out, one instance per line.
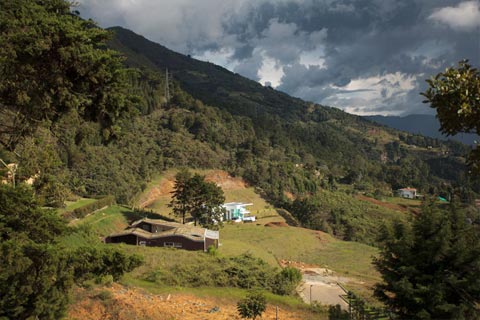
column 363, row 56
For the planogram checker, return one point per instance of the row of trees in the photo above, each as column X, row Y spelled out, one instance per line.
column 201, row 200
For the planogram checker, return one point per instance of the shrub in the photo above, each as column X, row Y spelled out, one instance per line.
column 212, row 250
column 244, row 271
column 286, row 281
column 91, row 262
column 104, row 295
column 252, row 306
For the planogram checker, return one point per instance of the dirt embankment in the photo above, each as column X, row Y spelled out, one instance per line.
column 165, row 186
column 393, row 206
column 120, row 303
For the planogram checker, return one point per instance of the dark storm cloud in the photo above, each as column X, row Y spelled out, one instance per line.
column 364, row 56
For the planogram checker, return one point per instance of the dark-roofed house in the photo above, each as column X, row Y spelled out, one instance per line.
column 160, row 233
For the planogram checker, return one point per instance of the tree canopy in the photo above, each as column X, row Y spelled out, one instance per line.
column 201, row 199
column 252, row 306
column 430, row 270
column 36, row 272
column 455, row 94
column 52, row 61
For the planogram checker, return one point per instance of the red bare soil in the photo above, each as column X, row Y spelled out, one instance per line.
column 382, row 204
column 127, row 304
column 397, row 207
column 275, row 224
column 225, row 181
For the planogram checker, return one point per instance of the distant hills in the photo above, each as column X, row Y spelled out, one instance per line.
column 426, row 125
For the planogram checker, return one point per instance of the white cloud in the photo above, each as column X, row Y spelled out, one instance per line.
column 270, row 72
column 182, row 25
column 366, row 96
column 363, row 57
column 465, row 16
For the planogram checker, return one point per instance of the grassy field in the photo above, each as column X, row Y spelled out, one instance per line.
column 298, row 244
column 268, row 243
column 262, row 239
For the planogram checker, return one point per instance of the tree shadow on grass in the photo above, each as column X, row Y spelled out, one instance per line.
column 133, row 215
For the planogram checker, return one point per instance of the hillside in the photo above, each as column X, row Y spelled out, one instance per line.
column 179, row 273
column 289, row 130
column 295, row 155
column 422, row 124
column 157, row 194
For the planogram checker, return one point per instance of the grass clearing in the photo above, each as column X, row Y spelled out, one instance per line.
column 72, row 205
column 272, row 244
column 350, row 259
column 268, row 243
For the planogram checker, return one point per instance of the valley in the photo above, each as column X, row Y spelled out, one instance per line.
column 269, row 239
column 138, row 182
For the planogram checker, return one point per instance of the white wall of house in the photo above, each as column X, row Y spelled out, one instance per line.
column 236, row 210
column 407, row 193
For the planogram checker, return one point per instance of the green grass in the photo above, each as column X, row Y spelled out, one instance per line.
column 72, row 205
column 404, row 201
column 268, row 243
column 271, row 244
column 299, row 244
column 91, row 230
column 112, row 219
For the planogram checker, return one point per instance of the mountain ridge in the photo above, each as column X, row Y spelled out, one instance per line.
column 423, row 124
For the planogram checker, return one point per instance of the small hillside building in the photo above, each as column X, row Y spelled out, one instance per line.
column 237, row 211
column 160, row 233
column 409, row 193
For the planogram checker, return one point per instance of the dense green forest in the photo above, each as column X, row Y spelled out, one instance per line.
column 218, row 119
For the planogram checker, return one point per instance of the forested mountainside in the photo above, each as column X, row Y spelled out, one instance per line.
column 287, row 148
column 307, row 136
column 423, row 124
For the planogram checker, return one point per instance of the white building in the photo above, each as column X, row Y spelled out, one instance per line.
column 237, row 211
column 410, row 193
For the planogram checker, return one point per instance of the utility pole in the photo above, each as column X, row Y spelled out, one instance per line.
column 167, row 86
column 169, row 89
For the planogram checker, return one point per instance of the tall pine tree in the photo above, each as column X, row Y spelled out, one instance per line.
column 430, row 270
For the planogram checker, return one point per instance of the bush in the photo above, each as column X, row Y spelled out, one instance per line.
column 286, row 281
column 212, row 250
column 336, row 313
column 97, row 263
column 252, row 306
column 104, row 295
column 244, row 271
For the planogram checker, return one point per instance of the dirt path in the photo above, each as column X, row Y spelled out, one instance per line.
column 319, row 284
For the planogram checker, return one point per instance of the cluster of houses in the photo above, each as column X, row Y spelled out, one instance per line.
column 161, row 233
